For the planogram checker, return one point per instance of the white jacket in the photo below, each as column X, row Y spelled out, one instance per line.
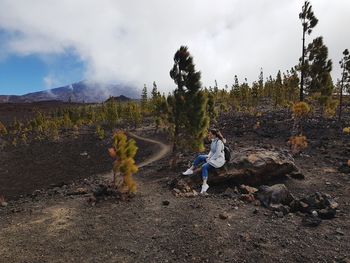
column 216, row 156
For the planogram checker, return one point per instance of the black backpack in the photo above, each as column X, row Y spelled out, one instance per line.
column 227, row 151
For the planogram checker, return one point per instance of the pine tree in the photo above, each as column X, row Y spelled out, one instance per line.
column 111, row 113
column 345, row 78
column 318, row 68
column 277, row 94
column 144, row 100
column 261, row 83
column 189, row 102
column 212, row 111
column 269, row 87
column 292, row 85
column 309, row 21
column 155, row 92
column 255, row 93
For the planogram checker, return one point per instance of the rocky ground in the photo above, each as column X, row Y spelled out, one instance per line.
column 66, row 224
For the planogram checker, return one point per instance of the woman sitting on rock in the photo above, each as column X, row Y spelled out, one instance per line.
column 215, row 158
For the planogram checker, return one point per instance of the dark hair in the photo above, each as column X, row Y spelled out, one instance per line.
column 217, row 133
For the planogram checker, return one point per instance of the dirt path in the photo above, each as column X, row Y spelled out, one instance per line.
column 164, row 150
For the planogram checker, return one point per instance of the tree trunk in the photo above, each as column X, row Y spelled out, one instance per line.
column 302, row 68
column 341, row 96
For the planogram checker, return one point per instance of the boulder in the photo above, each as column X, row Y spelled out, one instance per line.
column 252, row 166
column 274, row 195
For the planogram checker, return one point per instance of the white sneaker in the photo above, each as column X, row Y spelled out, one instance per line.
column 188, row 172
column 205, row 188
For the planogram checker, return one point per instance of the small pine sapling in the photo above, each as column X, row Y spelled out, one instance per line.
column 297, row 143
column 346, row 130
column 331, row 108
column 100, row 132
column 124, row 151
column 3, row 130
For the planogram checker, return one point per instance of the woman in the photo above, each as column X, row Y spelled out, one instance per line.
column 215, row 158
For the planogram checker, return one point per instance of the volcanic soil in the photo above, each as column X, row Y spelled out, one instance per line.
column 156, row 226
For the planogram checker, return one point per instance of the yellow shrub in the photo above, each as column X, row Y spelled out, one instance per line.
column 300, row 109
column 3, row 130
column 331, row 108
column 297, row 143
column 124, row 153
column 346, row 130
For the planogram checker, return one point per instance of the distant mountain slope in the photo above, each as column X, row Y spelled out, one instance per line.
column 77, row 92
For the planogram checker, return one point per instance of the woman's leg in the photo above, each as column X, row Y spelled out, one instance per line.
column 199, row 159
column 205, row 170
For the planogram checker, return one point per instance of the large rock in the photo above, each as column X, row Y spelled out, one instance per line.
column 274, row 195
column 252, row 166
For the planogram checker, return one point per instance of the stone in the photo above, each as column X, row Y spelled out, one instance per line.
column 223, row 215
column 78, row 191
column 311, row 221
column 297, row 175
column 4, row 204
column 229, row 192
column 165, row 202
column 284, row 209
column 279, row 214
column 338, row 231
column 327, row 213
column 245, row 189
column 247, row 198
column 344, row 168
column 275, row 194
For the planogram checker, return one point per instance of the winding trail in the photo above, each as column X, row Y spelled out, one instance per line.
column 164, row 150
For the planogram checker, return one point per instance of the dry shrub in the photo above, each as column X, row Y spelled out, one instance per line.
column 297, row 143
column 346, row 130
column 300, row 109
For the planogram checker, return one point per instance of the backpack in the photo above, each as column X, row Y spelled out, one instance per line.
column 227, row 152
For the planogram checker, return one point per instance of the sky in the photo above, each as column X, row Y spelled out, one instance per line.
column 50, row 43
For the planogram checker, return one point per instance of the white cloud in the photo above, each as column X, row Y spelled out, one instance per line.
column 134, row 41
column 49, row 82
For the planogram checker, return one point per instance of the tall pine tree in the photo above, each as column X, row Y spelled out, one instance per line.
column 318, row 68
column 308, row 21
column 144, row 100
column 189, row 103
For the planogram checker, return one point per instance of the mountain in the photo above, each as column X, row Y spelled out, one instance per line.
column 82, row 91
